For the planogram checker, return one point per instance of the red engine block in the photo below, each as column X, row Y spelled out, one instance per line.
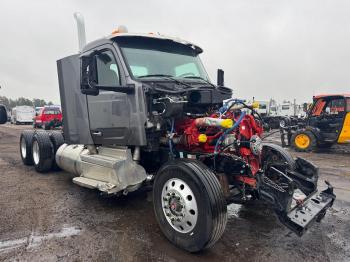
column 198, row 136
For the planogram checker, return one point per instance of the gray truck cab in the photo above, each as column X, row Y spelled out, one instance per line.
column 113, row 78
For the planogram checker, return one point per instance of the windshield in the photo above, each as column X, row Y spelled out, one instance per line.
column 148, row 56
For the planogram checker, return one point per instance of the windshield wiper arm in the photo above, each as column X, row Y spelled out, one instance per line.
column 200, row 78
column 170, row 77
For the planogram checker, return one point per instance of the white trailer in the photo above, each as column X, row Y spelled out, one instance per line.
column 22, row 115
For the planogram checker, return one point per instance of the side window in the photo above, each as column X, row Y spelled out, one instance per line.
column 107, row 69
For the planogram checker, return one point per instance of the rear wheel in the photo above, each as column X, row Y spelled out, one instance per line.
column 57, row 140
column 42, row 150
column 303, row 141
column 189, row 204
column 25, row 148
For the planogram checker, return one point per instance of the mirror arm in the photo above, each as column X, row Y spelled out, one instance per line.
column 129, row 89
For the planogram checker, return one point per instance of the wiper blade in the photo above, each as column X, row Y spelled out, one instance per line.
column 200, row 78
column 154, row 75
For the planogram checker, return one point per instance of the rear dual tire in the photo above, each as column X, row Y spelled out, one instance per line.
column 25, row 143
column 39, row 148
column 201, row 219
column 57, row 140
column 42, row 151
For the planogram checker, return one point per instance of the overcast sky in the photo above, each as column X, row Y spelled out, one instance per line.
column 279, row 49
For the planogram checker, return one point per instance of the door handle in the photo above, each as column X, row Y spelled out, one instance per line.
column 97, row 133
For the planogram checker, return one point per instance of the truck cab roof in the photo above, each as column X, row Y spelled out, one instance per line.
column 111, row 38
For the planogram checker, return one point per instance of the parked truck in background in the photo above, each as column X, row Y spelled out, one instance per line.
column 273, row 113
column 22, row 115
column 290, row 109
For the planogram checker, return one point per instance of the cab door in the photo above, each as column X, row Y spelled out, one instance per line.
column 109, row 111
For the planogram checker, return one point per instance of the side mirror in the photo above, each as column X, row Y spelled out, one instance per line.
column 88, row 76
column 220, row 78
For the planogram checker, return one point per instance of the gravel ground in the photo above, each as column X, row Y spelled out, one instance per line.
column 45, row 217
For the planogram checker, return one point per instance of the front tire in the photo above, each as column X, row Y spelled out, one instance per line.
column 189, row 204
column 42, row 150
column 303, row 141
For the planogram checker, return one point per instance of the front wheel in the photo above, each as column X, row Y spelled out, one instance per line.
column 303, row 141
column 189, row 204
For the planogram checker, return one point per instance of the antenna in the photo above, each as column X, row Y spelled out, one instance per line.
column 79, row 18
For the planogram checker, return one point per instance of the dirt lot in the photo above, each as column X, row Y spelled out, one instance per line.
column 48, row 218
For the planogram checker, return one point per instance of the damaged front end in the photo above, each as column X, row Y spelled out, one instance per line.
column 291, row 188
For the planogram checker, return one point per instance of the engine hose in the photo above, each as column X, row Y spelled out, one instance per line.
column 225, row 108
column 221, row 138
column 171, row 139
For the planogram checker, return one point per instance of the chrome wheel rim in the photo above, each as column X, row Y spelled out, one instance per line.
column 179, row 205
column 23, row 148
column 36, row 152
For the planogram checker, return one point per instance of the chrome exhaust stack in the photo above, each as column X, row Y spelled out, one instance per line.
column 79, row 18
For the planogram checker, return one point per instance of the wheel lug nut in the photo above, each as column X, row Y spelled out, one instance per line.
column 168, row 194
column 173, row 219
column 165, row 198
column 173, row 194
column 166, row 207
column 167, row 214
column 179, row 219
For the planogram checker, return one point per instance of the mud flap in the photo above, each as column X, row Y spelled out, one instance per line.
column 292, row 195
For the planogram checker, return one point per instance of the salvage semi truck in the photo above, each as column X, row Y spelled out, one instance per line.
column 140, row 110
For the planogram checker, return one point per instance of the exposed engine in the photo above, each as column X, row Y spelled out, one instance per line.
column 226, row 137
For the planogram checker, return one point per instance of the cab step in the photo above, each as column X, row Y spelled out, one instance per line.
column 93, row 184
